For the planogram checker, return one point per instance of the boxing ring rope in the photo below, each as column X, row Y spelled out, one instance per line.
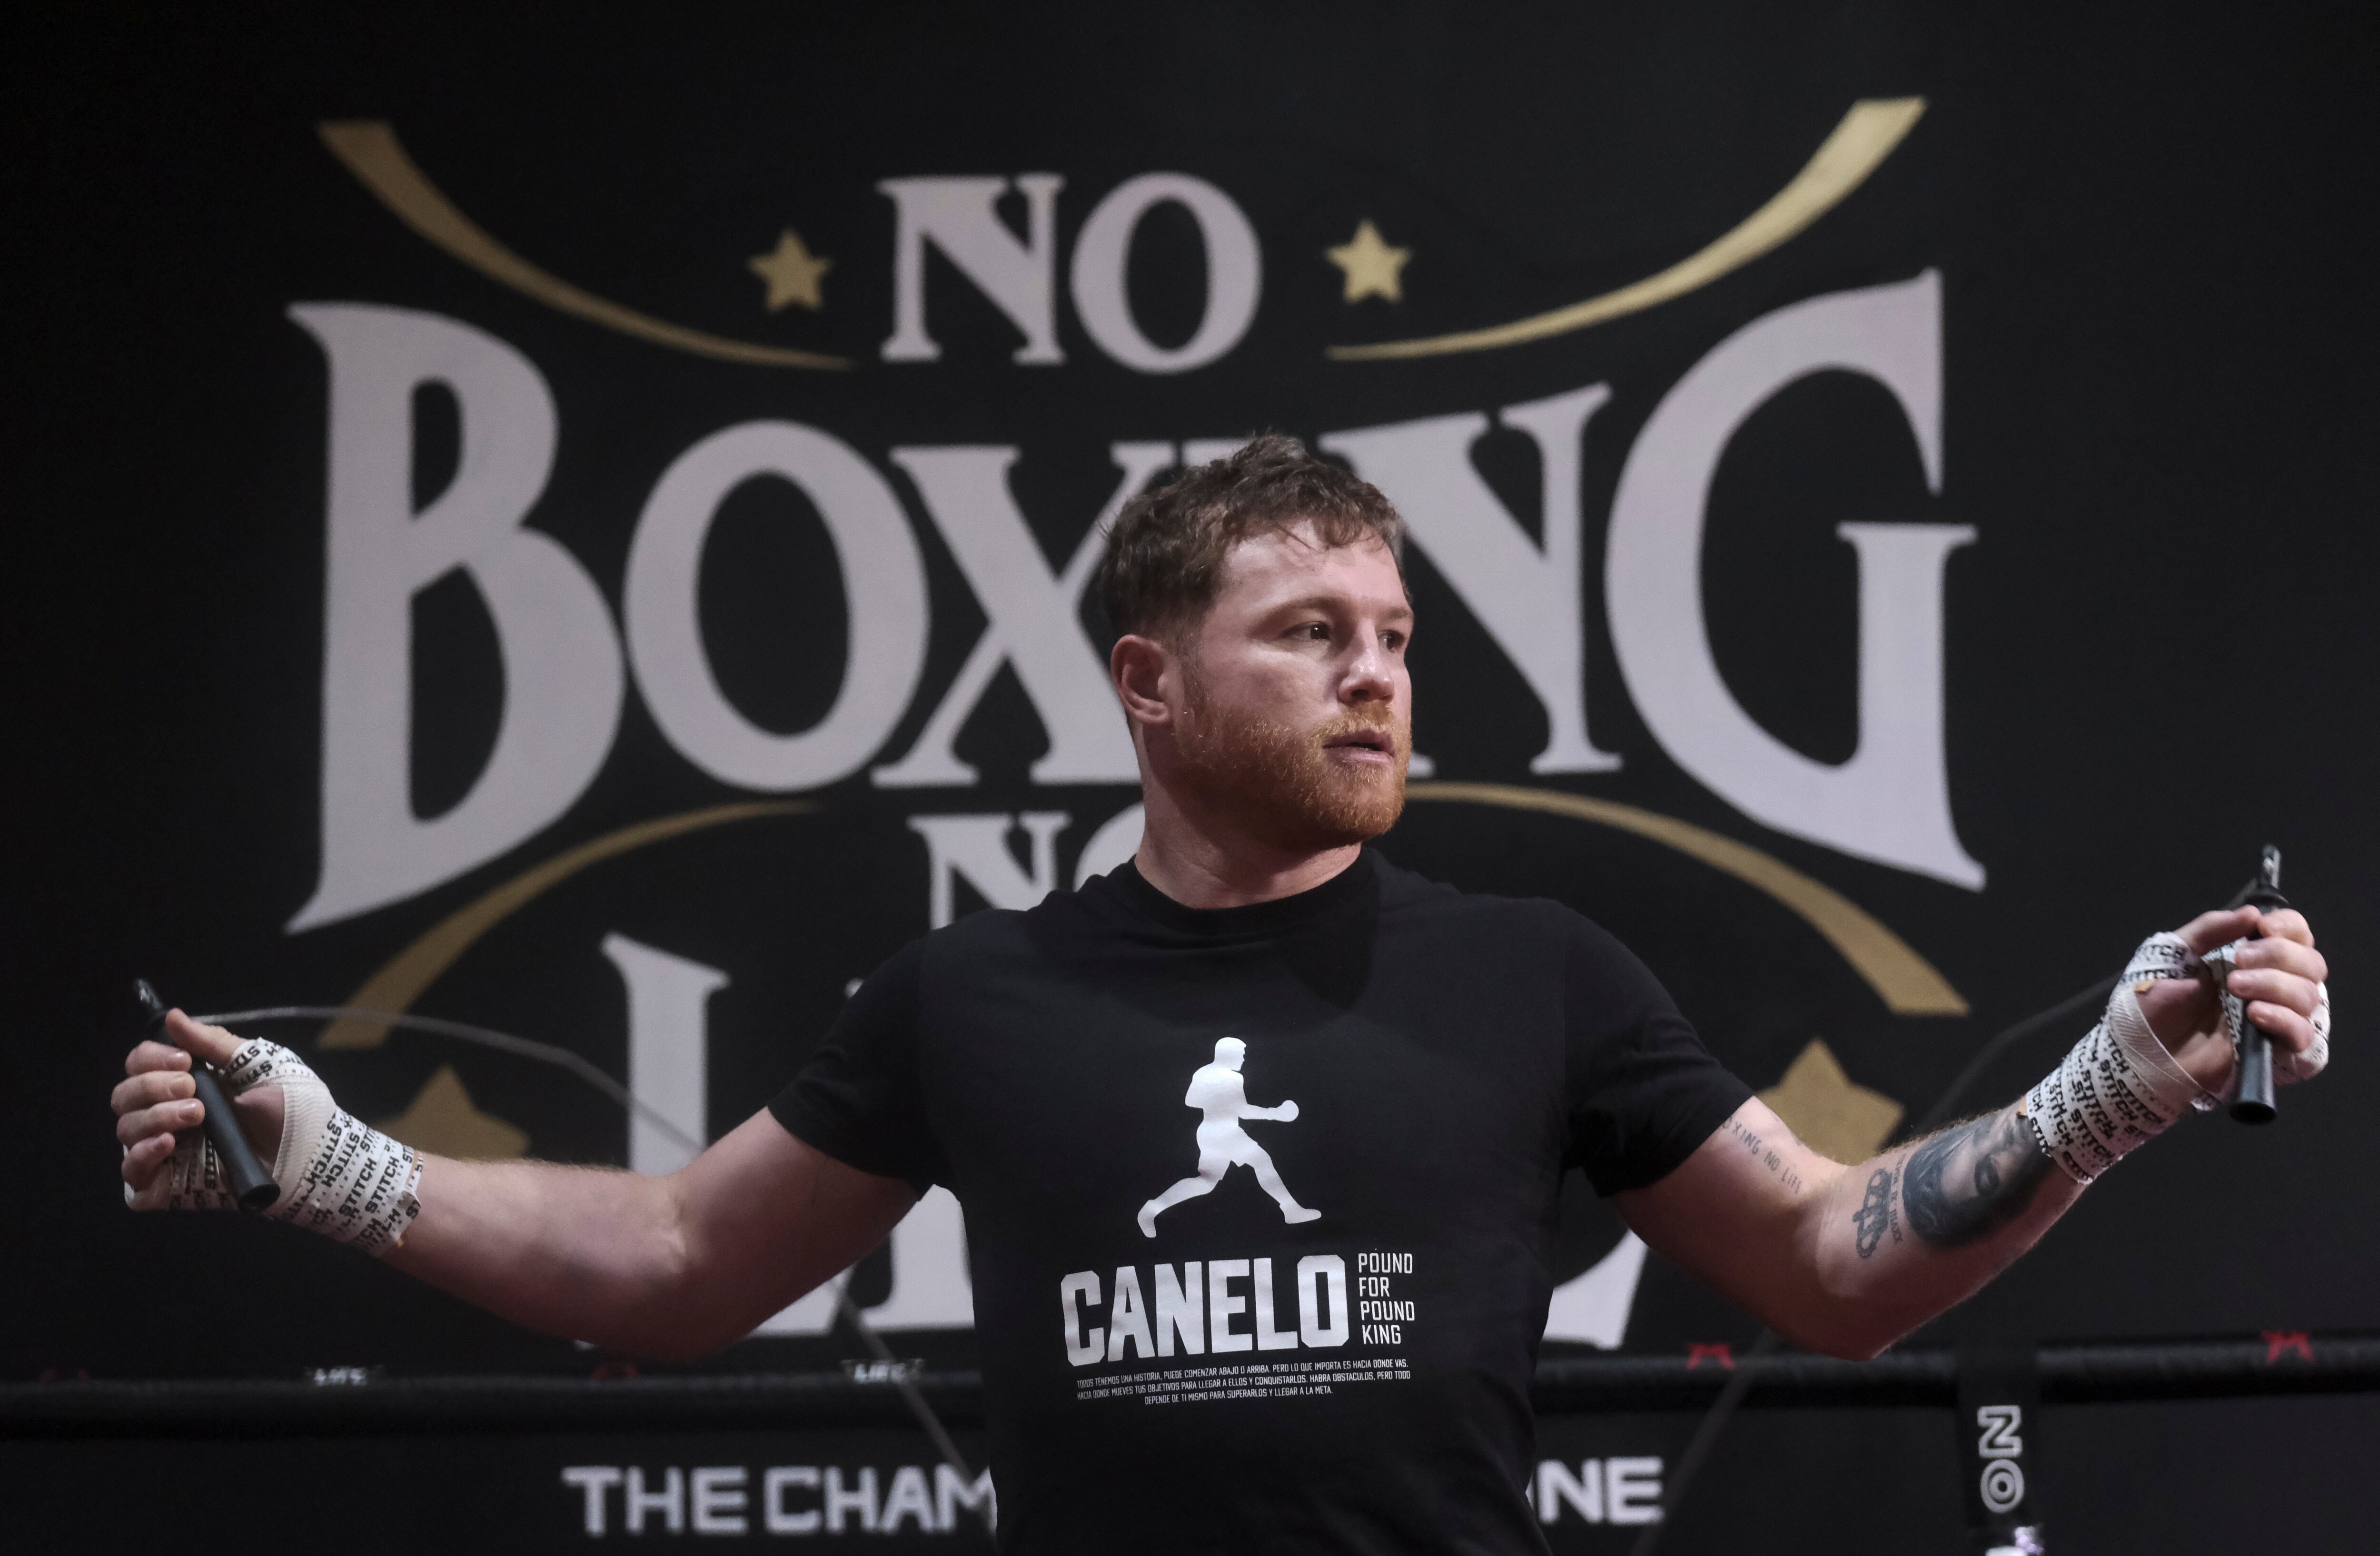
column 2087, row 1373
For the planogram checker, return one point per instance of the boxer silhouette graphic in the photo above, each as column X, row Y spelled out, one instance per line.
column 1220, row 1096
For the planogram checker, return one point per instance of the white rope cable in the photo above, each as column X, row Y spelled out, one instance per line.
column 486, row 1037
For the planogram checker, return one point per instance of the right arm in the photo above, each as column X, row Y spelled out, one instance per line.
column 667, row 1267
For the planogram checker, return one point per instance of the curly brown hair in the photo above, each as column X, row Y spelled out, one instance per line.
column 1164, row 560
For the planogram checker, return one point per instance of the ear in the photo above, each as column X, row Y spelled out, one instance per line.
column 1140, row 669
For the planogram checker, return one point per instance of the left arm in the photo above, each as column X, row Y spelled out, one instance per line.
column 1842, row 1259
column 1847, row 1260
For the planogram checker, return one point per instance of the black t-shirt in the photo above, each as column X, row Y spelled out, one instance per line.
column 1327, row 1344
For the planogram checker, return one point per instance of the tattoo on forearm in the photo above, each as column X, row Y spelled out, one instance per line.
column 1875, row 1215
column 1971, row 1179
column 1765, row 1154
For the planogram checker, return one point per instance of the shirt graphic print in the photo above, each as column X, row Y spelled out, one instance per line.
column 1220, row 1096
column 1344, row 1333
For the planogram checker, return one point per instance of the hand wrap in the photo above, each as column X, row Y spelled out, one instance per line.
column 338, row 1175
column 2118, row 1087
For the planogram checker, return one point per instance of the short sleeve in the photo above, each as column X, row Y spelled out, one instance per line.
column 1641, row 1091
column 860, row 1099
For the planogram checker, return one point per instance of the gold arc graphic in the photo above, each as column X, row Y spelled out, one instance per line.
column 1905, row 982
column 1859, row 144
column 401, row 980
column 370, row 150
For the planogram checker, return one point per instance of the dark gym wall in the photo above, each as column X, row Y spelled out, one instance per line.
column 2132, row 250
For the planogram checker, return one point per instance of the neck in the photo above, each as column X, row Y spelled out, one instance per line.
column 1201, row 860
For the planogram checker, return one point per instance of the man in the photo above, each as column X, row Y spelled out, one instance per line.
column 1232, row 1380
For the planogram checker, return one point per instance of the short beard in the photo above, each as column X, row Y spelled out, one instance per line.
column 1277, row 781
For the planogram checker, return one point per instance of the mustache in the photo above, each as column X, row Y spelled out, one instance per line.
column 1370, row 719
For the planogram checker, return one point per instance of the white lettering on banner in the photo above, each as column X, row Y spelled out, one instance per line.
column 976, row 848
column 592, row 1481
column 958, row 216
column 884, row 581
column 930, row 1285
column 812, row 1314
column 669, row 1501
column 776, row 1516
column 1593, row 1307
column 1625, row 1489
column 1558, row 1488
column 1032, row 622
column 719, row 1500
column 1632, row 1490
column 931, row 1288
column 1234, row 272
column 1526, row 596
column 907, row 1499
column 953, row 1491
column 1205, row 451
column 1891, row 801
column 669, row 1060
column 1117, row 840
column 669, row 1050
column 562, row 677
column 839, row 1499
column 859, row 1497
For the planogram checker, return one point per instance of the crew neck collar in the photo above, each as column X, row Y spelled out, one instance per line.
column 1356, row 881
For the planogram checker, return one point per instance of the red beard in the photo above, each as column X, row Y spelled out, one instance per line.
column 1281, row 783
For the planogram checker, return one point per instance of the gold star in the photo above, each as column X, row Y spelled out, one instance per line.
column 1836, row 1118
column 1373, row 265
column 792, row 272
column 444, row 1120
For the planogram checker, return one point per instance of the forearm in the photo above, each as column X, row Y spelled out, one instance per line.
column 1911, row 1233
column 667, row 1267
column 1846, row 1261
column 588, row 1253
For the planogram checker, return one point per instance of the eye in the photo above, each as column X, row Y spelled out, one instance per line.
column 1394, row 641
column 1312, row 631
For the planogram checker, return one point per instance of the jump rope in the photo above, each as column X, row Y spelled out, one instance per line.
column 254, row 1188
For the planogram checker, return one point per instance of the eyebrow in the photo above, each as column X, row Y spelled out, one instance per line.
column 1330, row 603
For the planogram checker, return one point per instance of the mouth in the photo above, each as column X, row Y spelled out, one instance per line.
column 1365, row 746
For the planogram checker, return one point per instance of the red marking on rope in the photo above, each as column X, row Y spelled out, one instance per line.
column 2279, row 1340
column 1697, row 1353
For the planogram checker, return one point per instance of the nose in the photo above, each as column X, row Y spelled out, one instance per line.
column 1370, row 675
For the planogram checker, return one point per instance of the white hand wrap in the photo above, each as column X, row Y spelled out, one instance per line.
column 338, row 1175
column 2119, row 1089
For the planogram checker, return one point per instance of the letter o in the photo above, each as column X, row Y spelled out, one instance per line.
column 883, row 581
column 1234, row 271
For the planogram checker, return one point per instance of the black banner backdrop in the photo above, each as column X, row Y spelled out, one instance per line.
column 579, row 529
